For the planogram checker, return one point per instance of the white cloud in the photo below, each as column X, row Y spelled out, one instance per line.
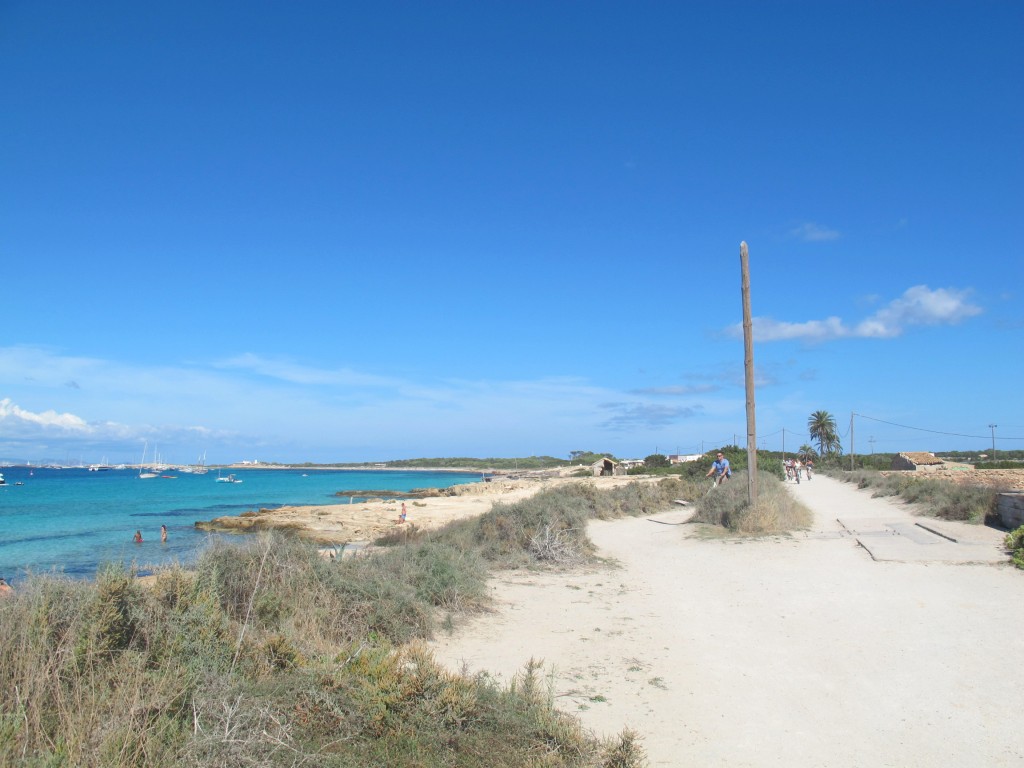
column 919, row 305
column 812, row 233
column 767, row 329
column 15, row 418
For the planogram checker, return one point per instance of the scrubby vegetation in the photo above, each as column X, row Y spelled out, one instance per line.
column 265, row 654
column 1015, row 543
column 550, row 527
column 776, row 510
column 940, row 498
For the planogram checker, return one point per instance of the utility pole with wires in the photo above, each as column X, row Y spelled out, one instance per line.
column 993, row 428
column 748, row 367
column 851, row 440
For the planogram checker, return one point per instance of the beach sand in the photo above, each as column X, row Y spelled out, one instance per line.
column 336, row 524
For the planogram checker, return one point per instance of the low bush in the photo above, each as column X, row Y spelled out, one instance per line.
column 1015, row 544
column 776, row 510
column 550, row 527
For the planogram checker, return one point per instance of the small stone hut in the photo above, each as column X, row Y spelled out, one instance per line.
column 917, row 461
column 604, row 467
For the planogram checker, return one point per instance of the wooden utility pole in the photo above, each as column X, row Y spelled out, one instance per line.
column 748, row 368
column 851, row 441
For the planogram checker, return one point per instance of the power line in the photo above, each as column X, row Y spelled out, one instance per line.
column 933, row 431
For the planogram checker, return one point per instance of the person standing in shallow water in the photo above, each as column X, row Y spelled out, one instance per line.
column 137, row 538
column 163, row 534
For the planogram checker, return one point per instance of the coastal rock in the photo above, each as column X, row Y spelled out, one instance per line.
column 415, row 493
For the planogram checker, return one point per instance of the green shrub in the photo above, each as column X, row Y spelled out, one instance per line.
column 1015, row 543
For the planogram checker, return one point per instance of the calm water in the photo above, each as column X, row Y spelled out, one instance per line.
column 72, row 519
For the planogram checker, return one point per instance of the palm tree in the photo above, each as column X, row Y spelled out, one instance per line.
column 807, row 450
column 822, row 426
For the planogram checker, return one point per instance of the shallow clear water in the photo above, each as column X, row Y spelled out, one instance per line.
column 73, row 519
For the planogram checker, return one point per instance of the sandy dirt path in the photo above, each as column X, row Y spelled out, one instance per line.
column 803, row 650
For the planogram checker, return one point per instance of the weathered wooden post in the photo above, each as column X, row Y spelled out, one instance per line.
column 748, row 367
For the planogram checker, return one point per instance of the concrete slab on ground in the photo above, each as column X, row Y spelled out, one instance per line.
column 915, row 540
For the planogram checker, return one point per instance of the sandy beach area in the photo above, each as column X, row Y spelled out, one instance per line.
column 867, row 641
column 362, row 522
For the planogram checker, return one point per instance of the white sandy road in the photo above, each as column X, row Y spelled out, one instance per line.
column 802, row 651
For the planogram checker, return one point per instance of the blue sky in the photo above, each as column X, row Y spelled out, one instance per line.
column 343, row 232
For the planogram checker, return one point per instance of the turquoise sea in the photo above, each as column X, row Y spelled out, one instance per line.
column 71, row 520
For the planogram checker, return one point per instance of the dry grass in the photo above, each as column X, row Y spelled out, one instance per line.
column 776, row 511
column 265, row 654
column 933, row 496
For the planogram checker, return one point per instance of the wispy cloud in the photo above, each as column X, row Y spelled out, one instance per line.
column 918, row 306
column 678, row 391
column 249, row 406
column 768, row 329
column 647, row 415
column 716, row 378
column 811, row 232
column 297, row 373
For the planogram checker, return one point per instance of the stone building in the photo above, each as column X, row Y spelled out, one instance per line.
column 924, row 462
column 604, row 467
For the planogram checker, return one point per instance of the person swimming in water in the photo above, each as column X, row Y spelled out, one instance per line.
column 138, row 537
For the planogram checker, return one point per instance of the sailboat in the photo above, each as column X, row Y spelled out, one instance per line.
column 145, row 475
